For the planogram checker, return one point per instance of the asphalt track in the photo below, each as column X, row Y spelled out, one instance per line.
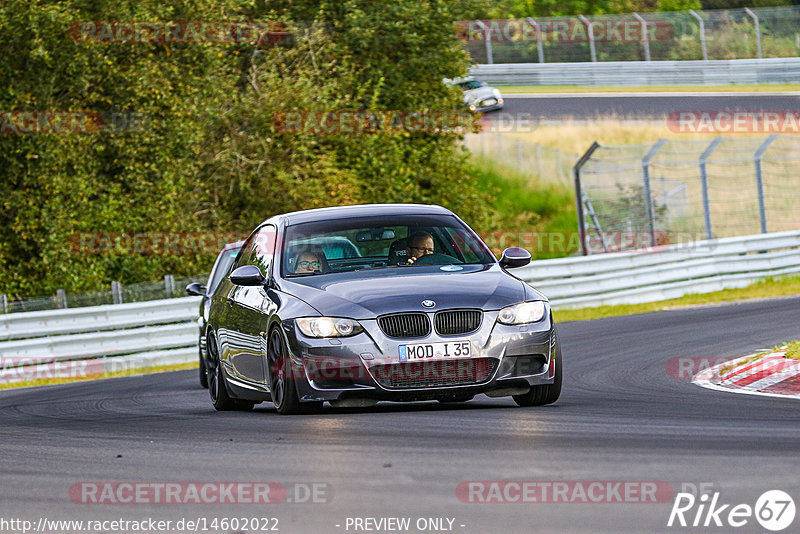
column 641, row 107
column 621, row 417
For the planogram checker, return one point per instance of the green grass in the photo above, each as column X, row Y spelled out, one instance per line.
column 528, row 213
column 115, row 374
column 792, row 349
column 769, row 287
column 749, row 88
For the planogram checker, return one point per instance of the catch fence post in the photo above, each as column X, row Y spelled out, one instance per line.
column 576, row 170
column 762, row 208
column 704, row 184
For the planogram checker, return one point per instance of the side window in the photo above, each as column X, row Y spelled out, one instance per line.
column 259, row 249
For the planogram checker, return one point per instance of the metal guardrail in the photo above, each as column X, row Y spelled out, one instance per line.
column 665, row 272
column 95, row 318
column 124, row 336
column 643, row 73
column 97, row 339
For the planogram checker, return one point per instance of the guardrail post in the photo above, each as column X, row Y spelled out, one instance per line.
column 169, row 285
column 4, row 303
column 116, row 292
column 762, row 209
column 702, row 33
column 61, row 299
column 576, row 170
column 487, row 40
column 539, row 47
column 590, row 33
column 704, row 184
column 645, row 37
column 758, row 29
column 648, row 195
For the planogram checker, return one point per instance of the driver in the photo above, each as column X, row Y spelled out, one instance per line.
column 419, row 244
column 307, row 261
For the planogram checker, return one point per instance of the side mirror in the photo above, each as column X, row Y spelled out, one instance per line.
column 515, row 257
column 196, row 288
column 247, row 275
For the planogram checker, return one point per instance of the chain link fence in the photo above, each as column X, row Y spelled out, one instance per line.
column 537, row 162
column 678, row 191
column 663, row 36
column 117, row 293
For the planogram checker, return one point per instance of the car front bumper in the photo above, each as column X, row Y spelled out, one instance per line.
column 504, row 360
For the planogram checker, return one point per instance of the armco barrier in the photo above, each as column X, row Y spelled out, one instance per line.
column 106, row 317
column 165, row 332
column 666, row 272
column 643, row 73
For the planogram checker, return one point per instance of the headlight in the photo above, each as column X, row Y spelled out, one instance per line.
column 524, row 312
column 328, row 326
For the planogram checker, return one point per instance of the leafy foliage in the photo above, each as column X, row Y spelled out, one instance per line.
column 210, row 157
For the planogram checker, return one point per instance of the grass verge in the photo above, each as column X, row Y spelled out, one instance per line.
column 114, row 374
column 769, row 287
column 526, row 211
column 745, row 88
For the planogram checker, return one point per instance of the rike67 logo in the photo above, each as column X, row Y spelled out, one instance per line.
column 774, row 510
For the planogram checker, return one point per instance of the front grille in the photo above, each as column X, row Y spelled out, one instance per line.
column 405, row 325
column 455, row 322
column 439, row 373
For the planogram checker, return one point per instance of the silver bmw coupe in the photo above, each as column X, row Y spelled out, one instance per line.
column 354, row 305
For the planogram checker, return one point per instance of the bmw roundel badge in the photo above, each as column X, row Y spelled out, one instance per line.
column 428, row 303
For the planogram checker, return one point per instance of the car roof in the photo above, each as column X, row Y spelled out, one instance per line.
column 362, row 210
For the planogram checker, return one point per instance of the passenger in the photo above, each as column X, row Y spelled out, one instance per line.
column 307, row 262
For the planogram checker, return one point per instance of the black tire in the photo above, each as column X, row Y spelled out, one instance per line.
column 282, row 384
column 220, row 398
column 203, row 371
column 548, row 393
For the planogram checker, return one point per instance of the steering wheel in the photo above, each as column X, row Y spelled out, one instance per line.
column 436, row 259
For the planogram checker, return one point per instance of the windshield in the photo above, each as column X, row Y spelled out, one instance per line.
column 472, row 84
column 407, row 241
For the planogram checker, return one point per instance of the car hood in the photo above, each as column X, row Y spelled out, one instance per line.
column 367, row 294
column 481, row 93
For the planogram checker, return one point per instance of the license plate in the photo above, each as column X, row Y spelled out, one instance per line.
column 490, row 102
column 435, row 351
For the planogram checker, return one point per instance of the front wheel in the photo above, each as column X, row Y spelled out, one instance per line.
column 282, row 385
column 547, row 393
